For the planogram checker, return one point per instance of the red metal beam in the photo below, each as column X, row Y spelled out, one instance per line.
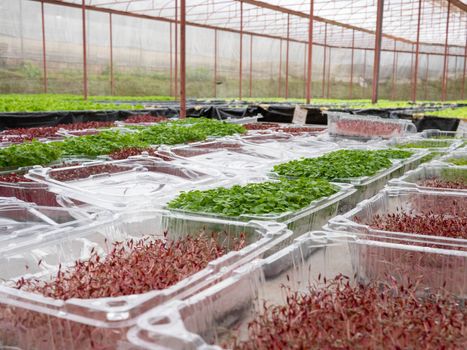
column 251, row 64
column 287, row 59
column 426, row 75
column 280, row 70
column 310, row 52
column 176, row 49
column 85, row 60
column 417, row 49
column 329, row 72
column 351, row 64
column 182, row 59
column 112, row 82
column 377, row 58
column 240, row 73
column 465, row 66
column 44, row 56
column 215, row 62
column 394, row 65
column 324, row 59
column 304, row 70
column 445, row 65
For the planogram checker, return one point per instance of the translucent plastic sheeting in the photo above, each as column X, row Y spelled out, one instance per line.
column 20, row 47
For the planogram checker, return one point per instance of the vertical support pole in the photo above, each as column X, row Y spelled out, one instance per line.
column 182, row 59
column 465, row 66
column 445, row 66
column 351, row 63
column 44, row 56
column 287, row 59
column 411, row 68
column 426, row 75
column 171, row 67
column 240, row 73
column 280, row 70
column 377, row 58
column 417, row 50
column 364, row 64
column 329, row 72
column 304, row 70
column 394, row 64
column 251, row 63
column 176, row 50
column 324, row 59
column 215, row 63
column 112, row 82
column 85, row 60
column 310, row 52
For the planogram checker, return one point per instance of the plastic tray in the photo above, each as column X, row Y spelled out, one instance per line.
column 314, row 216
column 297, row 146
column 453, row 144
column 31, row 321
column 134, row 182
column 456, row 154
column 230, row 155
column 441, row 134
column 211, row 316
column 367, row 127
column 430, row 172
column 415, row 201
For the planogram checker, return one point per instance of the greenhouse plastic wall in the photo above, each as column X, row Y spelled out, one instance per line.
column 132, row 48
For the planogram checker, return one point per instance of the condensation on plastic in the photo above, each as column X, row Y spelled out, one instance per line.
column 142, row 181
column 32, row 321
column 393, row 127
column 461, row 153
column 432, row 171
column 399, row 141
column 209, row 318
column 441, row 134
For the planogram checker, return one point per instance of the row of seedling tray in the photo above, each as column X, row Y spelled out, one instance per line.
column 391, row 273
column 81, row 279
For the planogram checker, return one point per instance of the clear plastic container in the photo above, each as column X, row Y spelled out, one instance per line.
column 296, row 146
column 432, row 145
column 32, row 321
column 367, row 127
column 117, row 185
column 314, row 216
column 415, row 201
column 208, row 319
column 434, row 171
column 230, row 155
column 441, row 134
column 446, row 159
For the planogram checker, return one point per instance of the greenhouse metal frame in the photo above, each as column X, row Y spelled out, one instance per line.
column 428, row 33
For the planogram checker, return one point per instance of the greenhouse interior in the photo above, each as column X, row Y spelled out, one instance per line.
column 233, row 174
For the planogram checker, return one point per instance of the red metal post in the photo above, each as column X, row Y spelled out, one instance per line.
column 182, row 59
column 171, row 67
column 112, row 82
column 394, row 65
column 287, row 59
column 351, row 63
column 310, row 53
column 85, row 61
column 465, row 66
column 426, row 75
column 329, row 72
column 44, row 56
column 377, row 58
column 280, row 70
column 215, row 62
column 251, row 63
column 417, row 49
column 176, row 49
column 240, row 73
column 304, row 70
column 445, row 66
column 324, row 59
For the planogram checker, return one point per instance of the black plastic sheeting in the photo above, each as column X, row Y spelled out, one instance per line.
column 280, row 113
